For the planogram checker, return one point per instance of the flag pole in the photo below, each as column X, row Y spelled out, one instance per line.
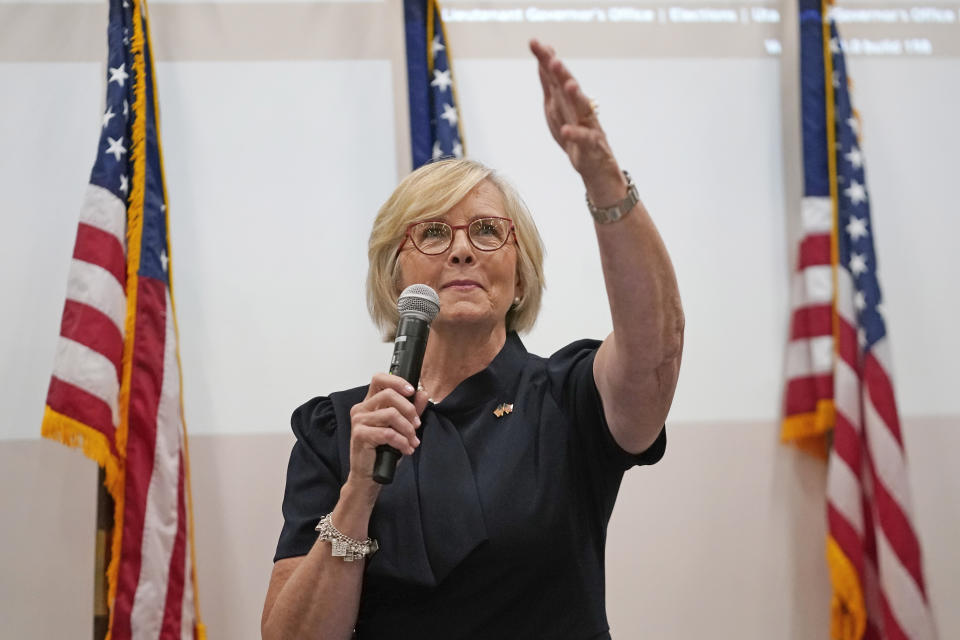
column 101, row 612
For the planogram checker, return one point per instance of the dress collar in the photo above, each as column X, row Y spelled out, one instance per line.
column 497, row 381
column 430, row 518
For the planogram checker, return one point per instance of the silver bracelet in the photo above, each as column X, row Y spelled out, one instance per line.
column 343, row 545
column 606, row 215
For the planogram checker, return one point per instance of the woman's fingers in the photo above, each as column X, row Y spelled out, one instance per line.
column 578, row 135
column 381, row 381
column 581, row 103
column 544, row 83
column 420, row 401
column 562, row 93
column 390, row 398
column 369, row 437
column 571, row 114
column 541, row 51
column 388, row 409
column 390, row 414
column 388, row 420
column 546, row 59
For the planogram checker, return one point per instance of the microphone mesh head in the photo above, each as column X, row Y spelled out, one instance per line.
column 421, row 300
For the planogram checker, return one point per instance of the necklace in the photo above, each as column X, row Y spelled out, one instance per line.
column 429, row 399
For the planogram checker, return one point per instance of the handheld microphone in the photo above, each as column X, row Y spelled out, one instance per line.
column 418, row 306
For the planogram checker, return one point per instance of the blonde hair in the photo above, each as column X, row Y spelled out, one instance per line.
column 430, row 192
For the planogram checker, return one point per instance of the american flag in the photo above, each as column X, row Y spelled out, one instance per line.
column 435, row 130
column 116, row 389
column 839, row 384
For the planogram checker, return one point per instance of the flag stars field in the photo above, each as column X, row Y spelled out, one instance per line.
column 855, row 157
column 119, row 74
column 859, row 301
column 449, row 114
column 856, row 192
column 116, row 147
column 441, row 79
column 854, row 124
column 857, row 228
column 858, row 264
column 434, row 119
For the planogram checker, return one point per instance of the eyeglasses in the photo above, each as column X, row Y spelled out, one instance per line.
column 433, row 237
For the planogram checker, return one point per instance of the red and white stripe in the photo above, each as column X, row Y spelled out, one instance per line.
column 154, row 594
column 868, row 489
column 809, row 358
column 868, row 500
column 151, row 597
column 85, row 385
column 156, row 611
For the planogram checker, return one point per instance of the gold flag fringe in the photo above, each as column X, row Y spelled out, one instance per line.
column 138, row 158
column 810, row 432
column 92, row 442
column 199, row 627
column 848, row 616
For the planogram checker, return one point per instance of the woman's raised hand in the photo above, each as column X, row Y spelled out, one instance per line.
column 572, row 118
column 390, row 414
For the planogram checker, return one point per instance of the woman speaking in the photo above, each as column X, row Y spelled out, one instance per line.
column 495, row 524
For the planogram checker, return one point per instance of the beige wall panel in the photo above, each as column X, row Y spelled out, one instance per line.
column 723, row 539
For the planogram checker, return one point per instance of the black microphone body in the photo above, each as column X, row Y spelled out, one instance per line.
column 409, row 347
column 406, row 362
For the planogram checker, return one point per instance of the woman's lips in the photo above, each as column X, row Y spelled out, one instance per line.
column 462, row 285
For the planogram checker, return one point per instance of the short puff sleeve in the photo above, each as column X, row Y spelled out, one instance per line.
column 571, row 376
column 313, row 477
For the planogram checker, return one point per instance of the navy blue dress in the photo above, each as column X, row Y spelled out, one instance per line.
column 495, row 527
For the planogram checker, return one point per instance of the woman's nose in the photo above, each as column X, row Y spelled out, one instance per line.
column 461, row 250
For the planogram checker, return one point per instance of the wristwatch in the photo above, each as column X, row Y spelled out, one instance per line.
column 606, row 215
